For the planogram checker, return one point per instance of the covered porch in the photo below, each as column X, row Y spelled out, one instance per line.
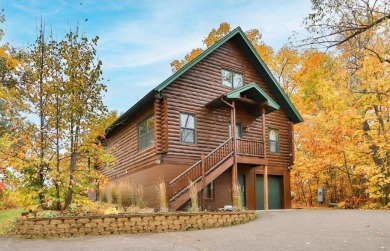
column 248, row 152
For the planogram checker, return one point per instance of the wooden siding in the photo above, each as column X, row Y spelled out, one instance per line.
column 222, row 192
column 124, row 146
column 190, row 93
column 161, row 125
column 148, row 178
column 202, row 84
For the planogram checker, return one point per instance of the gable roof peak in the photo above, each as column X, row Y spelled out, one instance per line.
column 244, row 43
column 252, row 55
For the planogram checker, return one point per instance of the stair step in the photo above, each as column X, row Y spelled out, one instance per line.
column 184, row 195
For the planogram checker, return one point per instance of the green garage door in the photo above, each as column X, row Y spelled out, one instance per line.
column 274, row 192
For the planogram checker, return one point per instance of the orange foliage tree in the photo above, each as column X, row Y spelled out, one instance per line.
column 342, row 144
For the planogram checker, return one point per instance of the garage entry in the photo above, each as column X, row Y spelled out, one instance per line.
column 274, row 192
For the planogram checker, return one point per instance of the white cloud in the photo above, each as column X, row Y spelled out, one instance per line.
column 155, row 49
column 139, row 39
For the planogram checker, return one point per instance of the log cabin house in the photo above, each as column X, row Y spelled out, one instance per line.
column 221, row 119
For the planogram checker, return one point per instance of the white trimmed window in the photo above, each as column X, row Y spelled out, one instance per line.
column 273, row 141
column 146, row 133
column 187, row 128
column 232, row 79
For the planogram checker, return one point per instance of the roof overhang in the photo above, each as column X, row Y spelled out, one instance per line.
column 141, row 105
column 251, row 96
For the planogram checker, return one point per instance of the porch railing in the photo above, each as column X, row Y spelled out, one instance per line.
column 250, row 148
column 208, row 163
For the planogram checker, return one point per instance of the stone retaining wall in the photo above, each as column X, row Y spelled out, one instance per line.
column 121, row 224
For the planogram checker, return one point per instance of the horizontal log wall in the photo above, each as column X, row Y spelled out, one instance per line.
column 190, row 93
column 222, row 192
column 123, row 144
column 161, row 125
column 201, row 84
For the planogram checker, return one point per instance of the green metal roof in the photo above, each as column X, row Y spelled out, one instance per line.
column 239, row 36
column 254, row 92
column 251, row 91
column 135, row 109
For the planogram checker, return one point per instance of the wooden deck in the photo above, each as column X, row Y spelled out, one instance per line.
column 212, row 165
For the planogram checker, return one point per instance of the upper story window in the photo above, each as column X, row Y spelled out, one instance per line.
column 187, row 128
column 273, row 141
column 232, row 79
column 146, row 133
column 238, row 131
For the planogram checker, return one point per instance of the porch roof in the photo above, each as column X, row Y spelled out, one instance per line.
column 251, row 95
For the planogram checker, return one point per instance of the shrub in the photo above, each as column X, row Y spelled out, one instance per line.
column 139, row 197
column 9, row 199
column 104, row 196
column 162, row 197
column 115, row 199
column 48, row 214
column 124, row 194
column 73, row 207
column 111, row 210
column 194, row 198
column 372, row 205
column 133, row 210
column 127, row 194
column 237, row 198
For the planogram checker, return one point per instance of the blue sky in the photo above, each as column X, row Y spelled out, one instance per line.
column 139, row 39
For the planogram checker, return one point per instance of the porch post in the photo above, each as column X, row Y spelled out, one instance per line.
column 234, row 169
column 265, row 156
column 202, row 157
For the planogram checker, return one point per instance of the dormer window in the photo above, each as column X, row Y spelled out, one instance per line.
column 232, row 79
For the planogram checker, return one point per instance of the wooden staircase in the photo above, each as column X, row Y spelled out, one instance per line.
column 201, row 174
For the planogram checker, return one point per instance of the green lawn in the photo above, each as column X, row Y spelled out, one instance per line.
column 7, row 218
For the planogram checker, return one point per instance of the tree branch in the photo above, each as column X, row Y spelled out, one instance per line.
column 361, row 30
column 381, row 59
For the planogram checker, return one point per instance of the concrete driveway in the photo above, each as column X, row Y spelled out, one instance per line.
column 273, row 230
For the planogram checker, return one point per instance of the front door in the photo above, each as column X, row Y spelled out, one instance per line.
column 241, row 182
column 274, row 192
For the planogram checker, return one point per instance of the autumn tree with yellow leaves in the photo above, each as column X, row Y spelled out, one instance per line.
column 54, row 152
column 343, row 143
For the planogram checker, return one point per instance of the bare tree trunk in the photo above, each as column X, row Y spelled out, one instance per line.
column 301, row 189
column 57, row 187
column 383, row 162
column 348, row 175
column 72, row 167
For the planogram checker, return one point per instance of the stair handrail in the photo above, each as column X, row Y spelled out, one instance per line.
column 220, row 146
column 198, row 162
column 185, row 172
